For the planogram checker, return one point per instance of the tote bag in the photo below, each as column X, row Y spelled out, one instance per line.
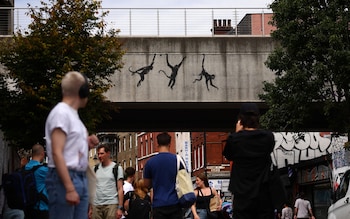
column 212, row 209
column 91, row 178
column 183, row 186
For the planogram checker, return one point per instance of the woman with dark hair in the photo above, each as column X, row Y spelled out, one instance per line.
column 204, row 193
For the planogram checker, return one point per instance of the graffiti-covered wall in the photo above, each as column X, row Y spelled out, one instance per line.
column 294, row 147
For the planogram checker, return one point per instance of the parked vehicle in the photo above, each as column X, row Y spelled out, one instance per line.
column 340, row 209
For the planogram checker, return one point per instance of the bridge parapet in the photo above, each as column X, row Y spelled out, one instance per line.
column 162, row 21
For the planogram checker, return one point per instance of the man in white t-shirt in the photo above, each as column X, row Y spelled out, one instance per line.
column 67, row 144
column 302, row 208
column 128, row 182
column 109, row 197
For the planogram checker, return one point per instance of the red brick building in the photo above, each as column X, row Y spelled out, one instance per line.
column 204, row 151
column 207, row 150
column 257, row 24
column 148, row 147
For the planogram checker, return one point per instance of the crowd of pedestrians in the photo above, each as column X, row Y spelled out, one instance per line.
column 118, row 194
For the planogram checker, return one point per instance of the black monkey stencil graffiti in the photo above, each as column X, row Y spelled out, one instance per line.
column 143, row 71
column 174, row 70
column 208, row 77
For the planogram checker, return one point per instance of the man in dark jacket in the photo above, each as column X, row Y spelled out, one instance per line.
column 250, row 150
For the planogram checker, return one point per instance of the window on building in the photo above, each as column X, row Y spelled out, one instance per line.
column 146, row 147
column 124, row 144
column 130, row 162
column 194, row 162
column 119, row 146
column 198, row 158
column 136, row 164
column 130, row 141
column 113, row 149
column 91, row 154
column 152, row 145
column 141, row 149
column 201, row 157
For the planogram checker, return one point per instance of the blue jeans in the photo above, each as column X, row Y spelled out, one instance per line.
column 13, row 214
column 58, row 206
column 202, row 213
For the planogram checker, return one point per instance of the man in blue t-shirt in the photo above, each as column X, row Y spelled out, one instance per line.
column 41, row 210
column 160, row 174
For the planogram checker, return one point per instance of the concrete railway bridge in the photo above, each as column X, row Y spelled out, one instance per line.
column 188, row 83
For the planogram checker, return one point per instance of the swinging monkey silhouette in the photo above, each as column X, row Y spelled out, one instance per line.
column 174, row 70
column 143, row 71
column 208, row 77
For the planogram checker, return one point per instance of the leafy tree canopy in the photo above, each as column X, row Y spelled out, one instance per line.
column 311, row 63
column 63, row 36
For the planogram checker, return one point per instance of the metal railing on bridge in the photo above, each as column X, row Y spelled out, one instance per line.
column 164, row 22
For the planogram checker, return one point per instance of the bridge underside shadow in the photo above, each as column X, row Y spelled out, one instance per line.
column 172, row 116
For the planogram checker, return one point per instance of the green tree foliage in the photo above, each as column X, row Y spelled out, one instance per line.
column 311, row 63
column 63, row 36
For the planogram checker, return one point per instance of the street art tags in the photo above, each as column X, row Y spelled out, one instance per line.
column 208, row 77
column 174, row 69
column 143, row 71
column 340, row 159
column 293, row 147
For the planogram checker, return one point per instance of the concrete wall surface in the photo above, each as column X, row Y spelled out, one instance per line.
column 214, row 69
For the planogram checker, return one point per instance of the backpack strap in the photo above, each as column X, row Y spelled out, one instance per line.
column 129, row 196
column 115, row 172
column 96, row 167
column 132, row 197
column 42, row 197
column 200, row 191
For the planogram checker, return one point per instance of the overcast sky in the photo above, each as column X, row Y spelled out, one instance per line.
column 169, row 3
column 198, row 22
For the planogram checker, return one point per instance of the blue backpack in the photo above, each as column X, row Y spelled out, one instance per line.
column 20, row 189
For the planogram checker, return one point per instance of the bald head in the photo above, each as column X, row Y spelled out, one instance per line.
column 71, row 83
column 37, row 149
column 38, row 152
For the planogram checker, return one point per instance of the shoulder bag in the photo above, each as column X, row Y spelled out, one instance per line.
column 212, row 211
column 183, row 186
